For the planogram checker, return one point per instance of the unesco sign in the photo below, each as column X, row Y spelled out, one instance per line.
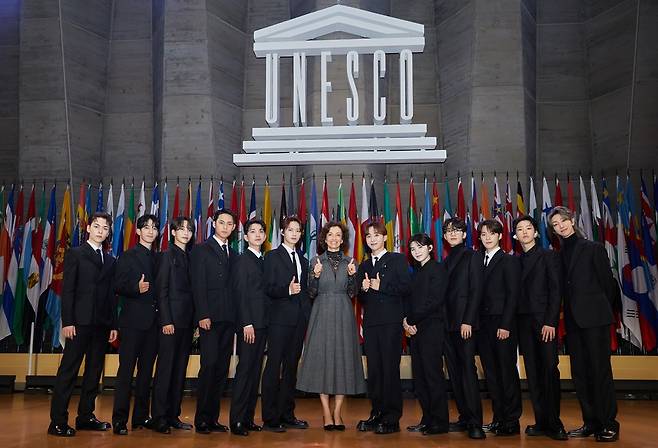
column 363, row 139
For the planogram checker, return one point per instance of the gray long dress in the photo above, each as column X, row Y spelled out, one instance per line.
column 331, row 363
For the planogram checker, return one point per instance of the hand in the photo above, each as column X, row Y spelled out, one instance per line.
column 294, row 288
column 317, row 269
column 502, row 334
column 205, row 323
column 365, row 285
column 143, row 285
column 351, row 268
column 249, row 334
column 466, row 331
column 412, row 330
column 113, row 336
column 547, row 333
column 168, row 329
column 68, row 332
column 374, row 283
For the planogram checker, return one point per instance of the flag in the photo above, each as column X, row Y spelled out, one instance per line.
column 210, row 212
column 412, row 218
column 461, row 203
column 398, row 232
column 164, row 219
column 32, row 265
column 373, row 210
column 129, row 234
column 188, row 200
column 49, row 245
column 630, row 311
column 267, row 214
column 558, row 193
column 291, row 196
column 275, row 233
column 340, row 203
column 509, row 213
column 353, row 226
column 571, row 199
column 252, row 201
column 475, row 212
column 388, row 218
column 648, row 227
column 242, row 218
column 12, row 288
column 520, row 205
column 24, row 262
column 6, row 233
column 497, row 213
column 81, row 215
column 447, row 209
column 117, row 231
column 364, row 216
column 325, row 204
column 220, row 198
column 532, row 201
column 597, row 234
column 312, row 226
column 283, row 208
column 584, row 218
column 198, row 215
column 176, row 211
column 546, row 208
column 485, row 210
column 155, row 201
column 436, row 231
column 426, row 222
column 302, row 214
column 141, row 205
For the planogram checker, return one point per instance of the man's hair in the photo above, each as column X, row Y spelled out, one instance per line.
column 224, row 211
column 142, row 220
column 491, row 225
column 455, row 223
column 378, row 225
column 101, row 215
column 254, row 221
column 530, row 219
column 179, row 221
column 289, row 219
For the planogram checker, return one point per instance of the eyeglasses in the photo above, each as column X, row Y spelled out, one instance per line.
column 451, row 230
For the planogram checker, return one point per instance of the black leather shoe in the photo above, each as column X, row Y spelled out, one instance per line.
column 420, row 427
column 328, row 427
column 251, row 426
column 120, row 428
column 217, row 427
column 508, row 429
column 340, row 427
column 607, row 435
column 387, row 428
column 61, row 430
column 435, row 429
column 147, row 423
column 560, row 434
column 202, row 428
column 178, row 424
column 491, row 427
column 457, row 426
column 370, row 424
column 476, row 432
column 295, row 423
column 239, row 429
column 583, row 431
column 162, row 428
column 274, row 427
column 91, row 424
column 534, row 431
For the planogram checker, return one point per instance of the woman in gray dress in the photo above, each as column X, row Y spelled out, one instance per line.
column 331, row 363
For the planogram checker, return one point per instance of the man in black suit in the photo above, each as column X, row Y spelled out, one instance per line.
column 176, row 319
column 88, row 323
column 385, row 281
column 464, row 292
column 252, row 303
column 497, row 337
column 215, row 313
column 539, row 312
column 138, row 329
column 286, row 277
column 589, row 292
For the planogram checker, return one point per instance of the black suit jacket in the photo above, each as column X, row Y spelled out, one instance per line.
column 500, row 291
column 427, row 298
column 386, row 305
column 589, row 287
column 211, row 282
column 285, row 309
column 174, row 289
column 138, row 310
column 87, row 291
column 540, row 285
column 464, row 292
column 251, row 299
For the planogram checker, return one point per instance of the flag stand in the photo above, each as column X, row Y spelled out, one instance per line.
column 31, row 351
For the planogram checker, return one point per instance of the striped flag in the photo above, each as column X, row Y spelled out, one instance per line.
column 398, row 233
column 324, row 219
column 198, row 215
column 267, row 215
column 312, row 225
column 353, row 226
column 252, row 201
column 584, row 217
column 129, row 234
column 388, row 218
column 520, row 204
column 155, row 201
column 596, row 213
column 117, row 231
column 164, row 219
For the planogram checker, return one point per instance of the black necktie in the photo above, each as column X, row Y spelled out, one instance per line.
column 294, row 265
column 224, row 249
column 100, row 256
column 375, row 260
column 486, row 260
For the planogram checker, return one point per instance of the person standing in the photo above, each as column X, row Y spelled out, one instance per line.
column 253, row 305
column 384, row 281
column 286, row 277
column 88, row 323
column 331, row 364
column 210, row 269
column 589, row 292
column 176, row 321
column 138, row 327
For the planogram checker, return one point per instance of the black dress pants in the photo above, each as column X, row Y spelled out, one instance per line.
column 460, row 357
column 247, row 378
column 173, row 355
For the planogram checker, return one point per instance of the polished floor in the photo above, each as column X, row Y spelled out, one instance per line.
column 25, row 420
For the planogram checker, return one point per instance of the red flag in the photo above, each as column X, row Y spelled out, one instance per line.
column 475, row 210
column 325, row 204
column 461, row 203
column 188, row 200
column 242, row 213
column 558, row 193
column 571, row 200
column 509, row 213
column 435, row 216
column 176, row 211
column 301, row 211
column 234, row 198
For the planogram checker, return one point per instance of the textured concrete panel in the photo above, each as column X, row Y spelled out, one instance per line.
column 644, row 149
column 9, row 81
column 41, row 73
column 226, row 46
column 560, row 11
column 186, row 25
column 132, row 19
column 529, row 52
column 647, row 50
column 227, row 136
column 609, row 116
column 93, row 15
column 595, row 7
column 419, row 11
column 564, row 137
column 530, row 111
column 455, row 52
column 128, row 145
column 129, row 86
column 9, row 148
column 262, row 14
column 561, row 67
column 186, row 68
column 86, row 128
column 39, row 9
column 8, row 31
column 455, row 121
column 233, row 12
column 444, row 9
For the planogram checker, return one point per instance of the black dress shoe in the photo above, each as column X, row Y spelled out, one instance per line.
column 476, row 432
column 340, row 427
column 583, row 431
column 217, row 427
column 387, row 428
column 251, row 426
column 534, row 430
column 202, row 428
column 162, row 428
column 508, row 429
column 273, row 427
column 370, row 424
column 420, row 427
column 239, row 429
column 435, row 429
column 607, row 435
column 91, row 424
column 120, row 429
column 328, row 427
column 146, row 423
column 491, row 427
column 178, row 424
column 560, row 434
column 295, row 423
column 457, row 426
column 61, row 430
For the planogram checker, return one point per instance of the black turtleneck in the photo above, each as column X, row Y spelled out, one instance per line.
column 568, row 245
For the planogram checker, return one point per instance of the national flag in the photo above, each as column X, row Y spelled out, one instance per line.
column 461, row 202
column 164, row 219
column 141, row 205
column 584, row 218
column 117, row 231
column 629, row 306
column 100, row 204
column 129, row 234
column 81, row 215
column 187, row 210
column 12, row 285
column 558, row 193
column 283, row 209
column 475, row 212
column 109, row 209
column 398, row 232
column 155, row 202
column 32, row 266
column 312, row 225
column 6, row 233
column 648, row 227
column 509, row 213
column 49, row 248
column 252, row 201
column 267, row 214
column 597, row 232
column 546, row 208
column 242, row 217
column 220, row 198
column 365, row 207
column 198, row 215
column 210, row 211
column 24, row 262
column 302, row 214
column 500, row 216
column 571, row 199
column 234, row 241
column 388, row 218
column 447, row 209
column 291, row 196
column 275, row 233
column 340, row 203
column 353, row 226
column 520, row 204
column 532, row 201
column 412, row 217
column 436, row 230
column 485, row 209
column 426, row 217
column 325, row 204
column 373, row 210
column 176, row 211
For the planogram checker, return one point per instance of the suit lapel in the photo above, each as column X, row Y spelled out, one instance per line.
column 287, row 261
column 493, row 262
column 456, row 258
column 91, row 254
column 214, row 245
column 530, row 263
column 576, row 253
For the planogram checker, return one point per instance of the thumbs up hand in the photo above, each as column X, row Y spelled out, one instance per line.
column 365, row 285
column 351, row 268
column 374, row 283
column 143, row 285
column 317, row 269
column 294, row 288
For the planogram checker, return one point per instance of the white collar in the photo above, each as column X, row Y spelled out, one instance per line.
column 258, row 254
column 221, row 243
column 491, row 253
column 380, row 254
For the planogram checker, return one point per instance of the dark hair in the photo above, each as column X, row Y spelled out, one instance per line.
column 224, row 211
column 376, row 224
column 528, row 218
column 322, row 239
column 455, row 223
column 492, row 225
column 565, row 213
column 178, row 222
column 101, row 215
column 253, row 221
column 142, row 220
column 423, row 240
column 292, row 218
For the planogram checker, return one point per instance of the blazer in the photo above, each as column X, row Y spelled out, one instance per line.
column 501, row 287
column 589, row 287
column 174, row 289
column 284, row 308
column 427, row 298
column 251, row 299
column 87, row 290
column 540, row 285
column 211, row 282
column 464, row 290
column 384, row 306
column 138, row 310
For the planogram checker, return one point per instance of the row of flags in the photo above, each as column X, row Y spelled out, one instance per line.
column 32, row 247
